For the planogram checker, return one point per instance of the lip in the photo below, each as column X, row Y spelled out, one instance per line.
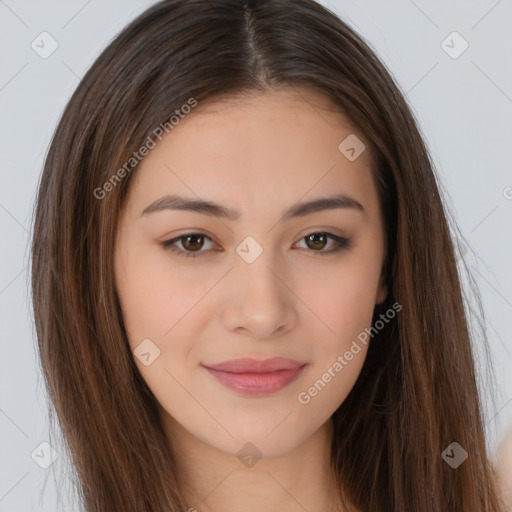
column 256, row 377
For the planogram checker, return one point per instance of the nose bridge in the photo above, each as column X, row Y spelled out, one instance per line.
column 256, row 272
column 261, row 303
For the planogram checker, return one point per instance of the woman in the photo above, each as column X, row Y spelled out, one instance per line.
column 245, row 289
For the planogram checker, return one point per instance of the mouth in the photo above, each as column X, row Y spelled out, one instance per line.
column 256, row 377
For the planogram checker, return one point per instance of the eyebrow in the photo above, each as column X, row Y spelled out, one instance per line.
column 175, row 202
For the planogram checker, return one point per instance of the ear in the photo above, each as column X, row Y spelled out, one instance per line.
column 382, row 290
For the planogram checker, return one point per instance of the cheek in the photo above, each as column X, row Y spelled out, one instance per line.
column 346, row 306
column 154, row 310
column 345, row 302
column 154, row 297
column 163, row 316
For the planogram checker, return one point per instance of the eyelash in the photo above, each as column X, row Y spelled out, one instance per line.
column 342, row 243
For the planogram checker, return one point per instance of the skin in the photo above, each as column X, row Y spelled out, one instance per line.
column 502, row 460
column 259, row 155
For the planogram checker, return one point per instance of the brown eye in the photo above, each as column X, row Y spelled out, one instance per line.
column 190, row 242
column 316, row 241
column 319, row 240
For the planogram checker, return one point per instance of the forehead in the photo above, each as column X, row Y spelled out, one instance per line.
column 260, row 147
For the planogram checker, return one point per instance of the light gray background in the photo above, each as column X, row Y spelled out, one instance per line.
column 464, row 107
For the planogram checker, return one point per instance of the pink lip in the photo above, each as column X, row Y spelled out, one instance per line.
column 256, row 377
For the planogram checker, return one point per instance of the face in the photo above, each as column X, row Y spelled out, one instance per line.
column 259, row 276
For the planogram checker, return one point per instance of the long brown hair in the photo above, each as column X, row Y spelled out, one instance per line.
column 417, row 391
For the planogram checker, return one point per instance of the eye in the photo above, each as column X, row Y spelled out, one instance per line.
column 193, row 243
column 318, row 240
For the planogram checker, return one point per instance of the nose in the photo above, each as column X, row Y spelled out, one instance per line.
column 261, row 305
